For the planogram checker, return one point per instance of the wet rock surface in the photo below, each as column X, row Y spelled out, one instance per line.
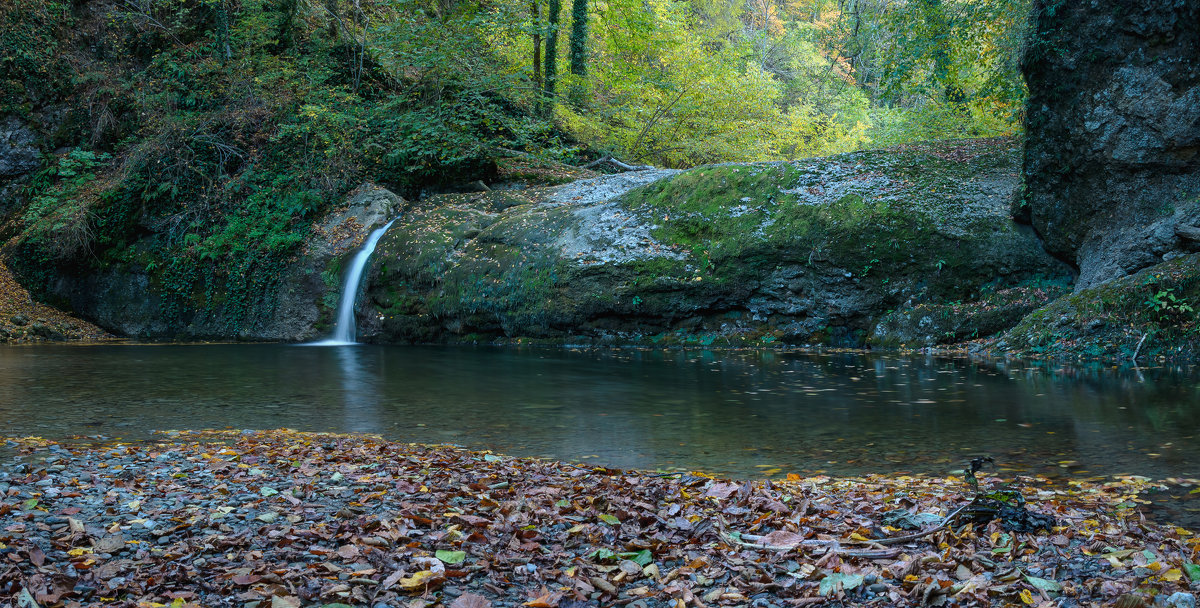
column 295, row 306
column 19, row 153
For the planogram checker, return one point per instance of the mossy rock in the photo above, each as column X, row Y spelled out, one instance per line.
column 1153, row 313
column 815, row 251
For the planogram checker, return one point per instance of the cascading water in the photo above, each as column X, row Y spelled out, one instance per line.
column 344, row 328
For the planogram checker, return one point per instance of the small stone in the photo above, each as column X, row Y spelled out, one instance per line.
column 877, row 588
column 1180, row 599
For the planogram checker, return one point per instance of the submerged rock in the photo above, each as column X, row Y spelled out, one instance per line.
column 811, row 252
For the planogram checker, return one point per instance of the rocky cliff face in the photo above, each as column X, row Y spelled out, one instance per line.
column 1112, row 160
column 295, row 306
column 864, row 248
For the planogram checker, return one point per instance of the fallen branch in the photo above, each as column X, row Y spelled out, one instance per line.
column 1139, row 347
column 830, row 545
column 609, row 160
column 901, row 539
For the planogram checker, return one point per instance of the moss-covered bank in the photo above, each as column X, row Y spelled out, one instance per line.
column 1152, row 314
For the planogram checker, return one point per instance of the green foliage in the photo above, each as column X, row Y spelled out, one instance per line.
column 33, row 66
column 217, row 130
column 1168, row 308
column 58, row 217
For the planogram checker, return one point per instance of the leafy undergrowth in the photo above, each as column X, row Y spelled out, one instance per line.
column 286, row 519
column 24, row 320
column 1150, row 314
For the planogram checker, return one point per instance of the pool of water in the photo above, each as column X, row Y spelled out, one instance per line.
column 733, row 413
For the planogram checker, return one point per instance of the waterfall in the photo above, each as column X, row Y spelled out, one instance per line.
column 344, row 328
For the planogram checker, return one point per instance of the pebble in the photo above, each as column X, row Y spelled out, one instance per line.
column 877, row 588
column 1180, row 599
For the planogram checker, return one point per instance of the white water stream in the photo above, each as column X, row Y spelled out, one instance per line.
column 345, row 328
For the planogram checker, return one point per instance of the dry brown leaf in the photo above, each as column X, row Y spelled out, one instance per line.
column 470, row 600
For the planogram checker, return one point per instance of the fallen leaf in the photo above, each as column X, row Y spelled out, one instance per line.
column 470, row 600
column 451, row 557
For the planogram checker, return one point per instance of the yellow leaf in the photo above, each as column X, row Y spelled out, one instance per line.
column 418, row 580
column 1172, row 575
column 1027, row 597
column 78, row 551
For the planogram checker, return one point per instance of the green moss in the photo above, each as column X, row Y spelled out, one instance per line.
column 888, row 214
column 1158, row 303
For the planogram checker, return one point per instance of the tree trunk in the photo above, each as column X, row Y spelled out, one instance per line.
column 579, row 32
column 551, row 67
column 535, row 12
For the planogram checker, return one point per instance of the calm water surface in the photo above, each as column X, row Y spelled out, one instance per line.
column 738, row 413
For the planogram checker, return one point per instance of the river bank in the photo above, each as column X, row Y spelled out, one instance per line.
column 280, row 518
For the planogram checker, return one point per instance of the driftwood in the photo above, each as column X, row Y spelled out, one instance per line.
column 830, row 545
column 609, row 160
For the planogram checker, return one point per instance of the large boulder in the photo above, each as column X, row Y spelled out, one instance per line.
column 1112, row 158
column 18, row 148
column 821, row 251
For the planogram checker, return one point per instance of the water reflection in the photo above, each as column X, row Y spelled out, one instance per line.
column 742, row 413
column 360, row 391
